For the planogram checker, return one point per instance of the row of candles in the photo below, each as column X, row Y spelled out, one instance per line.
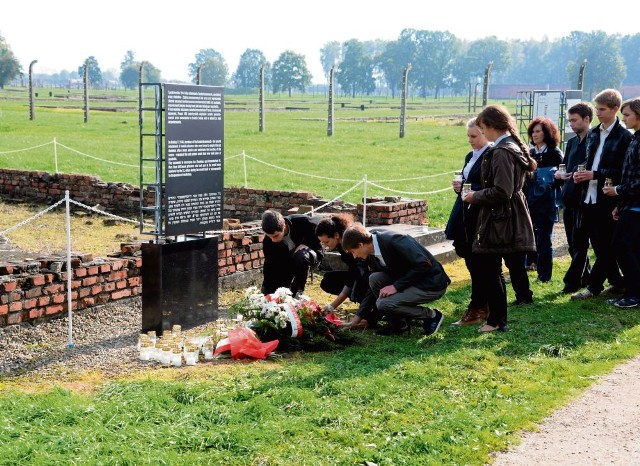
column 175, row 349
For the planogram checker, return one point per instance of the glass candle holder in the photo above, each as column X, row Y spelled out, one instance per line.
column 582, row 167
column 457, row 176
column 562, row 169
column 466, row 188
column 608, row 182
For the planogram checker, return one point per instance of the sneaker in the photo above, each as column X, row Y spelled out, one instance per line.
column 613, row 301
column 584, row 294
column 614, row 290
column 627, row 302
column 431, row 325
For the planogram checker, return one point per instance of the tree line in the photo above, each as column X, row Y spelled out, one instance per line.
column 439, row 60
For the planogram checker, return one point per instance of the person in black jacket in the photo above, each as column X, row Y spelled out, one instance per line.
column 290, row 249
column 542, row 191
column 406, row 276
column 627, row 211
column 606, row 147
column 580, row 117
column 352, row 283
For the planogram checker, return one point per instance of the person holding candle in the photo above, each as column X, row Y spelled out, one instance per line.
column 606, row 147
column 504, row 225
column 627, row 211
column 461, row 227
column 580, row 117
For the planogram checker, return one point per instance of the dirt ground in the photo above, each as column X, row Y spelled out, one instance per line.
column 600, row 427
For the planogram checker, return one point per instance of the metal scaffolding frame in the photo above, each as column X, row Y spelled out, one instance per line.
column 155, row 135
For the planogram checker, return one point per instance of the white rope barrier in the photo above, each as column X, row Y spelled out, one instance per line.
column 336, row 198
column 98, row 158
column 24, row 150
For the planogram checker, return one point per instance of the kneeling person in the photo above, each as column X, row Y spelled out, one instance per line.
column 405, row 276
column 290, row 248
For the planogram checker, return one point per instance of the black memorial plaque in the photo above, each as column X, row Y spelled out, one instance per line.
column 180, row 284
column 194, row 148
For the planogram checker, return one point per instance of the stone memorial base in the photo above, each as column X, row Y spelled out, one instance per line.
column 179, row 284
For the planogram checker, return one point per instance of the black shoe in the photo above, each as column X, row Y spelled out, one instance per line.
column 394, row 328
column 613, row 301
column 627, row 302
column 522, row 302
column 431, row 325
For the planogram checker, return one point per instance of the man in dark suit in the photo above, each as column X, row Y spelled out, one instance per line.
column 407, row 276
column 606, row 147
column 580, row 116
column 290, row 249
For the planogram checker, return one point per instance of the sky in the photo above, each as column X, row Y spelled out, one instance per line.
column 61, row 34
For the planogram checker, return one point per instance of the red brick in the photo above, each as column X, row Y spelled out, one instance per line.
column 117, row 265
column 121, row 284
column 97, row 289
column 110, row 286
column 89, row 281
column 9, row 286
column 6, row 269
column 30, row 303
column 88, row 302
column 16, row 306
column 14, row 318
column 84, row 292
column 121, row 294
column 80, row 272
column 105, row 268
column 43, row 301
column 134, row 281
column 93, row 270
column 59, row 298
column 33, row 292
column 35, row 313
column 4, row 309
column 52, row 289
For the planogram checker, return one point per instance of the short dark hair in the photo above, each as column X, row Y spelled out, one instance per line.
column 584, row 109
column 336, row 223
column 272, row 221
column 355, row 235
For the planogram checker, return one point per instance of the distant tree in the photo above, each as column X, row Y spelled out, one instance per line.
column 95, row 73
column 130, row 72
column 629, row 47
column 355, row 73
column 215, row 71
column 330, row 55
column 435, row 58
column 605, row 66
column 290, row 72
column 247, row 74
column 393, row 60
column 482, row 51
column 9, row 64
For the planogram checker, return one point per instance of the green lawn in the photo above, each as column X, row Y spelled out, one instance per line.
column 451, row 398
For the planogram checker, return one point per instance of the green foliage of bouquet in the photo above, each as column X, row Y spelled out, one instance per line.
column 298, row 322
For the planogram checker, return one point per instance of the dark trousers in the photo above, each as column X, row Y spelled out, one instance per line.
column 519, row 277
column 543, row 229
column 282, row 269
column 334, row 281
column 476, row 267
column 594, row 223
column 579, row 270
column 492, row 282
column 626, row 244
